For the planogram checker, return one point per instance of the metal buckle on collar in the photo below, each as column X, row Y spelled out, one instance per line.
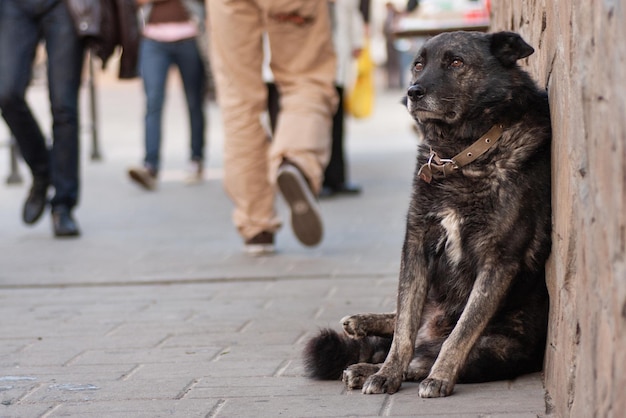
column 448, row 165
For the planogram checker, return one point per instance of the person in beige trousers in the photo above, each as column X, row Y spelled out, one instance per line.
column 303, row 63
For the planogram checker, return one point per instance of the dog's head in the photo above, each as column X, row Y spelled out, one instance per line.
column 458, row 76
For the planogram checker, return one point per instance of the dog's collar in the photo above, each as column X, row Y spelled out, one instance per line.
column 445, row 166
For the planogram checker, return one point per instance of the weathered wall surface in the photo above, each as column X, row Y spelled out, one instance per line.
column 580, row 57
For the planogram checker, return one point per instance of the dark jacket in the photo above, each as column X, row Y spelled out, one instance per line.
column 105, row 25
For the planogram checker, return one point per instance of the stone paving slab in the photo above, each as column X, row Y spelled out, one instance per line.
column 241, row 367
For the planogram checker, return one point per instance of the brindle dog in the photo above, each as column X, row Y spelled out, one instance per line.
column 472, row 300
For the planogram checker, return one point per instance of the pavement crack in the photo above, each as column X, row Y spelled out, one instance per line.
column 73, row 359
column 281, row 369
column 318, row 312
column 50, row 410
column 130, row 373
column 385, row 409
column 190, row 316
column 113, row 330
column 216, row 409
column 301, row 338
column 331, row 292
column 245, row 326
column 24, row 348
column 187, row 281
column 220, row 353
column 163, row 340
column 186, row 389
column 29, row 392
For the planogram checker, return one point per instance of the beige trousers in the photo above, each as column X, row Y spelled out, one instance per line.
column 303, row 63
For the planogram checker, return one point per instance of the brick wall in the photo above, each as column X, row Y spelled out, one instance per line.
column 580, row 57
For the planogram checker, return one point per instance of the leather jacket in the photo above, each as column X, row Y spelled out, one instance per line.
column 106, row 25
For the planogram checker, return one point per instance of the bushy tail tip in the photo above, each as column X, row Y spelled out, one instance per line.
column 328, row 354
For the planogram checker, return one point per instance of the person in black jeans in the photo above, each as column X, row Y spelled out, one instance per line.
column 23, row 24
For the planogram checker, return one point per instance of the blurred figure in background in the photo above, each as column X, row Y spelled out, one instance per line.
column 173, row 34
column 349, row 38
column 394, row 76
column 303, row 65
column 23, row 24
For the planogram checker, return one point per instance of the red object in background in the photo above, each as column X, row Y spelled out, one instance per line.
column 478, row 14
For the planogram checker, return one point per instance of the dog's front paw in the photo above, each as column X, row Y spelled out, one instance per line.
column 435, row 388
column 352, row 326
column 381, row 383
column 355, row 375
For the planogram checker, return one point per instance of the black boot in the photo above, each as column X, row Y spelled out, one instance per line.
column 63, row 223
column 36, row 201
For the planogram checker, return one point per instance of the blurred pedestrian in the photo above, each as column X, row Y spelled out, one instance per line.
column 23, row 24
column 172, row 35
column 303, row 65
column 392, row 64
column 349, row 37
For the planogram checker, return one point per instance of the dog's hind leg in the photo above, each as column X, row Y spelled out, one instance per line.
column 355, row 375
column 512, row 345
column 499, row 357
column 418, row 370
column 375, row 324
column 425, row 354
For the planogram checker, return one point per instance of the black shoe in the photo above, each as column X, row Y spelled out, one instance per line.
column 348, row 188
column 345, row 189
column 63, row 223
column 326, row 192
column 261, row 243
column 36, row 201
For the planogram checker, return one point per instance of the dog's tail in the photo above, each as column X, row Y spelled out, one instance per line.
column 327, row 355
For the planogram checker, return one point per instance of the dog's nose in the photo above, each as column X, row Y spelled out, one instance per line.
column 416, row 92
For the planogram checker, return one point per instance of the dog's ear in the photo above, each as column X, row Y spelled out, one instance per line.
column 508, row 47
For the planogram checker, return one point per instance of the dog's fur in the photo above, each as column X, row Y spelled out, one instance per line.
column 472, row 301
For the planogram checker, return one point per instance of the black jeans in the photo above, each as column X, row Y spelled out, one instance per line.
column 335, row 173
column 23, row 24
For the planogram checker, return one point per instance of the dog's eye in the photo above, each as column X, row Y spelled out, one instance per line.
column 419, row 66
column 456, row 63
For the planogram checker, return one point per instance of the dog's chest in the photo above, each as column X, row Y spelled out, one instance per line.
column 450, row 237
column 449, row 255
column 454, row 233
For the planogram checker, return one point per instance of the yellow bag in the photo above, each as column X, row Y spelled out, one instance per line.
column 360, row 101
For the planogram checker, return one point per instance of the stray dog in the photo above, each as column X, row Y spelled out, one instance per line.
column 472, row 300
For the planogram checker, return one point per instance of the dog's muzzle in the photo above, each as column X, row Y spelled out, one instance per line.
column 416, row 92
